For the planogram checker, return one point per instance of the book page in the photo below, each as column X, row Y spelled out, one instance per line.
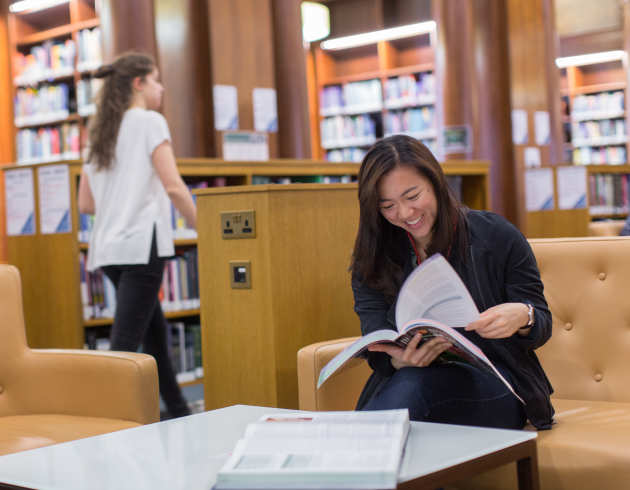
column 434, row 291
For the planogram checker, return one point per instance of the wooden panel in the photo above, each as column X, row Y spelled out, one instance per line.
column 355, row 16
column 181, row 28
column 127, row 26
column 313, row 104
column 402, row 12
column 591, row 42
column 290, row 76
column 557, row 223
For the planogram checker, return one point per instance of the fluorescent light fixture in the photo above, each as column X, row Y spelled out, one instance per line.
column 590, row 59
column 315, row 21
column 33, row 5
column 376, row 36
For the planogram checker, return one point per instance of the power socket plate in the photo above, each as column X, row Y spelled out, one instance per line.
column 238, row 224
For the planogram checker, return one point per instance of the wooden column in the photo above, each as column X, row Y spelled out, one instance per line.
column 241, row 55
column 7, row 135
column 290, row 64
column 127, row 26
column 534, row 82
column 472, row 68
column 181, row 31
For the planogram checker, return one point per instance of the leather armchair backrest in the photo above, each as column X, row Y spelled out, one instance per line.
column 587, row 284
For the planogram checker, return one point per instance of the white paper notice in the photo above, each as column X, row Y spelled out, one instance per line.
column 539, row 189
column 245, row 146
column 541, row 128
column 54, row 199
column 571, row 187
column 520, row 133
column 19, row 202
column 225, row 100
column 265, row 110
column 532, row 156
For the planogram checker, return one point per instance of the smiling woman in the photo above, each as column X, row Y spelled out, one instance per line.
column 408, row 212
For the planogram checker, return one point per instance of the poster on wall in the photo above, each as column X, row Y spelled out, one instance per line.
column 265, row 110
column 54, row 199
column 542, row 128
column 245, row 146
column 457, row 139
column 225, row 99
column 19, row 202
column 532, row 156
column 539, row 189
column 571, row 187
column 520, row 132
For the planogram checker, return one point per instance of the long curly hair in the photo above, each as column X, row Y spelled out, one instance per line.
column 113, row 100
column 381, row 249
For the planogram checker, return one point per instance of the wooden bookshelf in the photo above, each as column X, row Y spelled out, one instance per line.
column 37, row 30
column 49, row 263
column 376, row 69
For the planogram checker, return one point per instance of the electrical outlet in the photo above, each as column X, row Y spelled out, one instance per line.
column 238, row 224
column 240, row 274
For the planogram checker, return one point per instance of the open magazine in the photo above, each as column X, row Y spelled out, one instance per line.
column 433, row 300
column 336, row 450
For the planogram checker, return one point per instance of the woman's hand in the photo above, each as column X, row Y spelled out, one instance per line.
column 500, row 321
column 411, row 355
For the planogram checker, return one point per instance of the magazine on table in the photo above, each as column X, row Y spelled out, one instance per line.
column 434, row 301
column 308, row 450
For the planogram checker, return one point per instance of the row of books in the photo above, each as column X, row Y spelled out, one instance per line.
column 304, row 179
column 48, row 144
column 184, row 345
column 598, row 105
column 595, row 130
column 409, row 90
column 87, row 88
column 89, row 56
column 419, row 120
column 48, row 60
column 351, row 154
column 184, row 341
column 179, row 290
column 47, row 103
column 606, row 155
column 342, row 131
column 54, row 59
column 609, row 193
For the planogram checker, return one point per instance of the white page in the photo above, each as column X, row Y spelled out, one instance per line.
column 539, row 189
column 225, row 99
column 19, row 202
column 542, row 128
column 520, row 133
column 265, row 110
column 435, row 291
column 571, row 187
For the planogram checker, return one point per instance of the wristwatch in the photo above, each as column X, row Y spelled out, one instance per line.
column 530, row 317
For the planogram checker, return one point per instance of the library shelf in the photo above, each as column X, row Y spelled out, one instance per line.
column 169, row 315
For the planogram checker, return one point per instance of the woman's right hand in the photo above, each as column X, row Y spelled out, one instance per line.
column 412, row 355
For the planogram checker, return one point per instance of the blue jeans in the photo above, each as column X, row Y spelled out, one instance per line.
column 453, row 393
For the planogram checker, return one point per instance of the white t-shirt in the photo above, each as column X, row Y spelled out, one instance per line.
column 129, row 197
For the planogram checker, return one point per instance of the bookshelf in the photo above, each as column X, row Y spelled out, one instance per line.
column 594, row 116
column 54, row 53
column 367, row 92
column 50, row 265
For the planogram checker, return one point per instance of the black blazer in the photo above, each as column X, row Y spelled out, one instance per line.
column 497, row 267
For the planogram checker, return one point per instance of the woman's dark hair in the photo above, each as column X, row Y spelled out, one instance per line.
column 381, row 249
column 112, row 102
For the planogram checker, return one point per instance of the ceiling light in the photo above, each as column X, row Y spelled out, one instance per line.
column 315, row 21
column 589, row 59
column 33, row 5
column 376, row 36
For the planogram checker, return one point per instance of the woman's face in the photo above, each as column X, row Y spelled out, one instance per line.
column 152, row 90
column 407, row 200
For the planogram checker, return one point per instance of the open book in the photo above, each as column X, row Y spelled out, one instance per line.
column 433, row 300
column 358, row 450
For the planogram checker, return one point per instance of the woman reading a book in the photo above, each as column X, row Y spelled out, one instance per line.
column 127, row 181
column 408, row 213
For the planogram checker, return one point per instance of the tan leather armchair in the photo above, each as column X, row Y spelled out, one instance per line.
column 605, row 228
column 587, row 283
column 51, row 396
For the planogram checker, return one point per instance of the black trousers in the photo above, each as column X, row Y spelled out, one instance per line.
column 139, row 320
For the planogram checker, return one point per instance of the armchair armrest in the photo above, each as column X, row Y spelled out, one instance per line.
column 341, row 391
column 117, row 385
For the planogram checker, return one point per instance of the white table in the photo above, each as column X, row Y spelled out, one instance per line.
column 187, row 453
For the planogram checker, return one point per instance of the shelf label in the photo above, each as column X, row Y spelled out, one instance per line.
column 457, row 139
column 265, row 110
column 539, row 189
column 19, row 202
column 245, row 146
column 571, row 187
column 54, row 199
